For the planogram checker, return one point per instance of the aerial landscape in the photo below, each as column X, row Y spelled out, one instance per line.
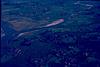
column 50, row 33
